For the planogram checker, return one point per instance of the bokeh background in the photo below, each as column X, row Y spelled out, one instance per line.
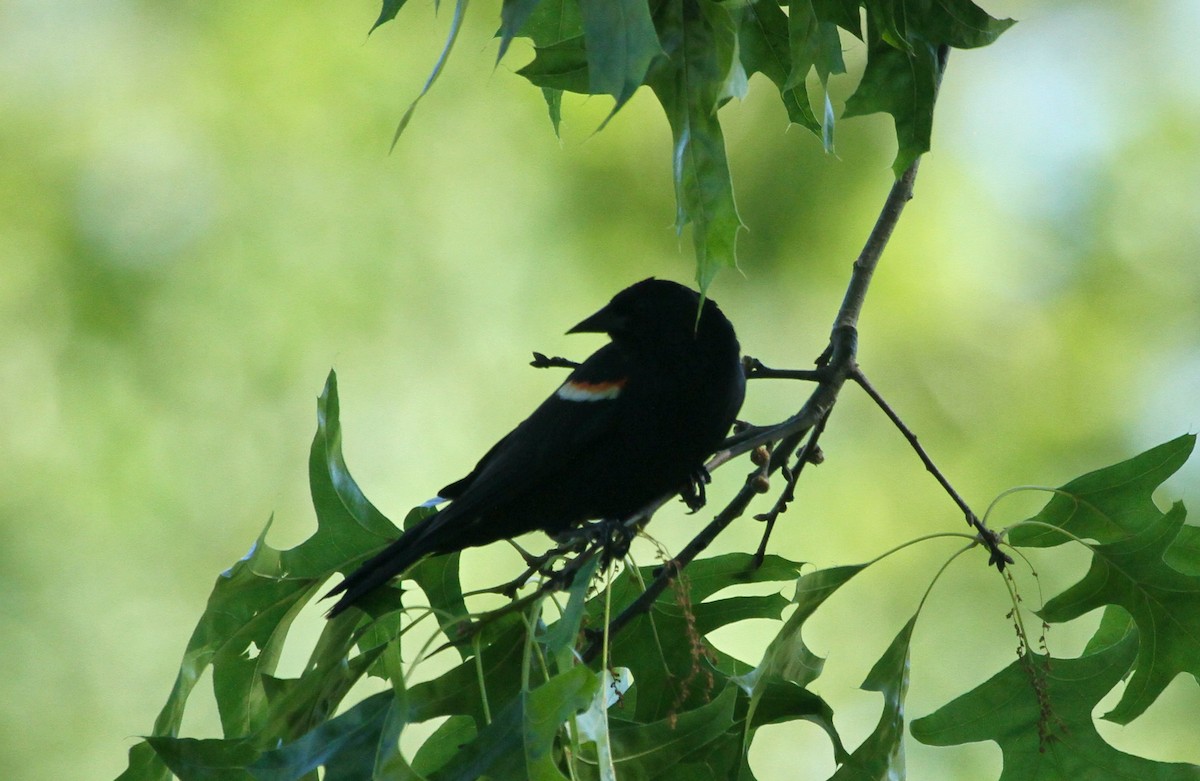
column 201, row 217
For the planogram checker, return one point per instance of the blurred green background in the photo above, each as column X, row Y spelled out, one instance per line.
column 201, row 217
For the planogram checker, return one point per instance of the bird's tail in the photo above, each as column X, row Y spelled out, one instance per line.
column 412, row 546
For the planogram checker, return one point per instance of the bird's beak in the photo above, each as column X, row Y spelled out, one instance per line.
column 603, row 322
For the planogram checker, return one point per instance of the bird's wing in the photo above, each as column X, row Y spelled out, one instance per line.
column 569, row 424
column 585, row 408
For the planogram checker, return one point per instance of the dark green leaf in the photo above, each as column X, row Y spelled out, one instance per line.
column 644, row 751
column 554, row 108
column 560, row 66
column 814, row 44
column 553, row 21
column 1039, row 711
column 1164, row 603
column 456, row 692
column 440, row 747
column 957, row 23
column 902, row 83
column 621, row 44
column 1108, row 504
column 560, row 637
column 519, row 741
column 1129, row 568
column 206, row 760
column 706, row 577
column 778, row 701
column 514, row 14
column 438, row 578
column 777, row 684
column 689, row 83
column 1184, row 553
column 355, row 745
column 763, row 41
column 787, row 657
column 387, row 13
column 844, row 13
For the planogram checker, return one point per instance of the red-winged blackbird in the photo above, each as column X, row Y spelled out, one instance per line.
column 632, row 423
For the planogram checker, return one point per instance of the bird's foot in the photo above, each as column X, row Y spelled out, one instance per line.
column 693, row 492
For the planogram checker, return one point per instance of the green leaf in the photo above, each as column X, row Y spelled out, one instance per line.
column 706, row 577
column 957, row 23
column 881, row 755
column 560, row 66
column 553, row 99
column 788, row 665
column 787, row 657
column 357, row 744
column 763, row 41
column 514, row 14
column 456, row 692
column 645, row 645
column 652, row 750
column 1164, row 603
column 560, row 637
column 440, row 747
column 1184, row 553
column 349, row 527
column 621, row 44
column 460, row 10
column 902, row 62
column 689, row 83
column 387, row 13
column 902, row 83
column 519, row 741
column 1108, row 504
column 438, row 578
column 553, row 21
column 243, row 627
column 777, row 701
column 1039, row 711
column 206, row 760
column 1129, row 567
column 814, row 44
column 843, row 13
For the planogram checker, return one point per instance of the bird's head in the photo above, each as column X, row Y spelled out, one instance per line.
column 658, row 314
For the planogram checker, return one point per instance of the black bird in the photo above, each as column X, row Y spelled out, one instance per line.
column 631, row 424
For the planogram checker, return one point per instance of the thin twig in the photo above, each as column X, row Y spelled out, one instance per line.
column 988, row 538
column 542, row 361
column 808, row 454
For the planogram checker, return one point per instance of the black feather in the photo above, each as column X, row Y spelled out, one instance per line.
column 632, row 423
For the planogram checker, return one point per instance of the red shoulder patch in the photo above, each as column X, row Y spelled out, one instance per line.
column 576, row 390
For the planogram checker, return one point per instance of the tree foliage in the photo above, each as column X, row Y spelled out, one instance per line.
column 527, row 693
column 520, row 703
column 696, row 55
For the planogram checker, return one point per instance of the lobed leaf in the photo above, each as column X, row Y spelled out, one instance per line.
column 1129, row 567
column 1039, row 711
